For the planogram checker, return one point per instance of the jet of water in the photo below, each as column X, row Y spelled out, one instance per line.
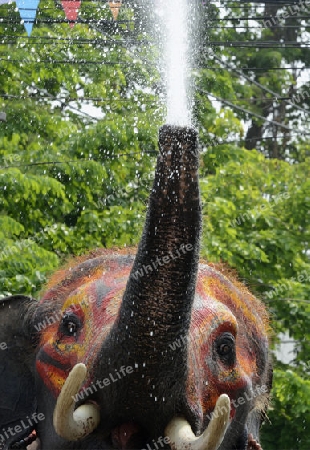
column 175, row 15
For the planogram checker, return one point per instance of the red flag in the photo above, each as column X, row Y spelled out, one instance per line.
column 71, row 9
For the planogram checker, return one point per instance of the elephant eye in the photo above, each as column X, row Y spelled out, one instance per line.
column 70, row 324
column 225, row 348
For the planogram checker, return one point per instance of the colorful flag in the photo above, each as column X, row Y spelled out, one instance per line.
column 27, row 10
column 115, row 7
column 71, row 9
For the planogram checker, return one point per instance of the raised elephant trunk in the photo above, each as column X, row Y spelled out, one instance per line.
column 156, row 308
column 153, row 321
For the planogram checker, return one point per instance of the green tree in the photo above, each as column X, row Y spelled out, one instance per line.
column 255, row 57
column 77, row 148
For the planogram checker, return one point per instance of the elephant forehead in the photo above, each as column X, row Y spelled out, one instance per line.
column 215, row 288
column 99, row 300
column 210, row 315
column 109, row 267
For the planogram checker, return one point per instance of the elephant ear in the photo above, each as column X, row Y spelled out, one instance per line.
column 17, row 359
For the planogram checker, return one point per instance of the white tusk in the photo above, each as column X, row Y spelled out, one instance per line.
column 69, row 424
column 181, row 436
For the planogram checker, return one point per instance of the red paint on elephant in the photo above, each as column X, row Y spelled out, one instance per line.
column 224, row 307
column 91, row 292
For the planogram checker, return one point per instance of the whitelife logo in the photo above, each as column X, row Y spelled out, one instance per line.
column 144, row 270
column 101, row 384
column 9, row 432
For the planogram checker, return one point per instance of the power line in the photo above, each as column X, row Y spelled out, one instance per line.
column 256, row 18
column 71, row 99
column 84, row 61
column 260, row 44
column 258, row 138
column 232, row 105
column 71, row 40
column 80, row 20
column 256, row 83
column 243, row 44
column 42, row 40
column 43, row 163
column 272, row 2
column 101, row 99
column 267, row 69
column 141, row 153
column 110, row 22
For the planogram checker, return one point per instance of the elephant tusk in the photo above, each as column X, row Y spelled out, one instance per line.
column 71, row 424
column 181, row 436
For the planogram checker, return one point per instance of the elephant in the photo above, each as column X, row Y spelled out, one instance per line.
column 143, row 349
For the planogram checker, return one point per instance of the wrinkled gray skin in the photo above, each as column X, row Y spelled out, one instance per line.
column 155, row 311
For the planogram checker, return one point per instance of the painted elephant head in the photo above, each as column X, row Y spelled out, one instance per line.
column 146, row 352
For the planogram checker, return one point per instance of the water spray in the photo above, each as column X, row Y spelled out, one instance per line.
column 175, row 18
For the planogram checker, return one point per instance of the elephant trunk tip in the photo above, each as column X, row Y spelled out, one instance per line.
column 183, row 135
